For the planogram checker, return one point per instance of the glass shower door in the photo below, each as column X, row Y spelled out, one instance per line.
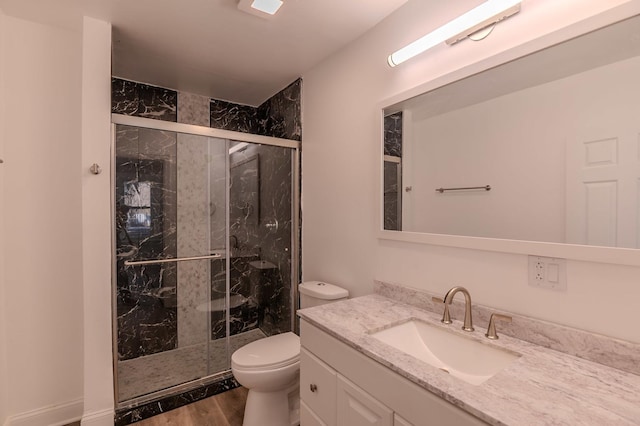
column 171, row 255
column 261, row 240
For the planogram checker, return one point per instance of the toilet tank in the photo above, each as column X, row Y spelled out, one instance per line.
column 315, row 293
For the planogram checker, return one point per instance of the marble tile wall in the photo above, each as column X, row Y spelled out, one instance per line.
column 146, row 229
column 392, row 182
column 393, row 134
column 239, row 118
column 243, row 313
column 143, row 100
column 279, row 116
column 392, row 196
column 162, row 312
column 193, row 109
column 194, row 277
column 265, row 229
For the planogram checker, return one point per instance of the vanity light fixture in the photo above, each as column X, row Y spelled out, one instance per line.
column 482, row 17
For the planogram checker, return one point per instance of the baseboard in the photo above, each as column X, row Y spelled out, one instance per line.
column 54, row 415
column 98, row 418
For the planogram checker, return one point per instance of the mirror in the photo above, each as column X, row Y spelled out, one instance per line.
column 545, row 148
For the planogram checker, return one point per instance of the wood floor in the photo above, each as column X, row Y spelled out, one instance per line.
column 225, row 409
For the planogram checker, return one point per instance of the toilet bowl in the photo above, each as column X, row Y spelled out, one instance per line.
column 270, row 367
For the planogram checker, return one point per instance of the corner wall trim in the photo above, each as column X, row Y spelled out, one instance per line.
column 54, row 415
column 98, row 418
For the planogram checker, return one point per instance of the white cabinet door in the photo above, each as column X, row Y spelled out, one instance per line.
column 399, row 421
column 318, row 387
column 308, row 417
column 358, row 408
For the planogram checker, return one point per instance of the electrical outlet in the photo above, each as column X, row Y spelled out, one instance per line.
column 548, row 272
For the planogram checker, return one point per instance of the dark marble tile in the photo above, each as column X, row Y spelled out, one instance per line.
column 392, row 200
column 146, row 199
column 393, row 134
column 243, row 314
column 157, row 103
column 236, row 117
column 146, row 218
column 392, row 180
column 143, row 100
column 131, row 415
column 124, row 97
column 280, row 115
column 265, row 230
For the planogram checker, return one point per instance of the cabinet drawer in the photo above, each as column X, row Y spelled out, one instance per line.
column 318, row 387
column 358, row 408
column 308, row 417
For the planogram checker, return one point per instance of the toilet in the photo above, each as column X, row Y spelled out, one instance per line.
column 270, row 367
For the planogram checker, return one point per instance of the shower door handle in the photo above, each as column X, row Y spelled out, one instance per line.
column 173, row 260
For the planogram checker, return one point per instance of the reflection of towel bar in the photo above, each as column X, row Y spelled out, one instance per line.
column 486, row 188
column 180, row 259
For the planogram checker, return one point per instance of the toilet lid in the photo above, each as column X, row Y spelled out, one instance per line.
column 273, row 352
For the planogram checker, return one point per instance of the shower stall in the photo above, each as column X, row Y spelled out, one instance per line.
column 205, row 242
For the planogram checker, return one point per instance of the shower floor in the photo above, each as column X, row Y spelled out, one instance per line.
column 143, row 375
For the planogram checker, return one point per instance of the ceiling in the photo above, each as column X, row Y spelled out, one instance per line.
column 210, row 47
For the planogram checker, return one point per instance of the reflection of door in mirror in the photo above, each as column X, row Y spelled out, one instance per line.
column 393, row 172
column 603, row 161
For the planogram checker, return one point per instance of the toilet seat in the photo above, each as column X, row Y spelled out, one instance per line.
column 269, row 353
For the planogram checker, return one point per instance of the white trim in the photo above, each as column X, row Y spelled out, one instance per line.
column 98, row 418
column 53, row 415
column 620, row 256
column 170, row 126
column 96, row 216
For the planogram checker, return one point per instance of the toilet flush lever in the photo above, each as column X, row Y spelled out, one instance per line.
column 313, row 387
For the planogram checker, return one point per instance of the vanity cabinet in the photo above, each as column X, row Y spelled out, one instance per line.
column 318, row 387
column 340, row 386
column 356, row 407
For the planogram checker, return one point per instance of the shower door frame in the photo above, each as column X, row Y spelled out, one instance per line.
column 227, row 135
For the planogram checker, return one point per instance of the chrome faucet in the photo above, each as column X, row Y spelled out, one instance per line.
column 448, row 298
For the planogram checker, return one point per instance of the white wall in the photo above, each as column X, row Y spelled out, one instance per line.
column 341, row 101
column 41, row 233
column 96, row 222
column 3, row 323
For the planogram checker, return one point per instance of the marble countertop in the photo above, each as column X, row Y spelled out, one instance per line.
column 542, row 387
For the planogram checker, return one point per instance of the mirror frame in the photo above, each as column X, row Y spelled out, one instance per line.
column 613, row 255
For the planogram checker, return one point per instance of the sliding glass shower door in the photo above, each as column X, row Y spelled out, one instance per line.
column 170, row 198
column 204, row 239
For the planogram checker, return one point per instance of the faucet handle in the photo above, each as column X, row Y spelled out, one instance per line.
column 446, row 317
column 491, row 330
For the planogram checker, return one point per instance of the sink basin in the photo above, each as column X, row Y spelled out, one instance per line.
column 462, row 357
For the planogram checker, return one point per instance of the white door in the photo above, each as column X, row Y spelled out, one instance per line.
column 603, row 186
column 358, row 408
